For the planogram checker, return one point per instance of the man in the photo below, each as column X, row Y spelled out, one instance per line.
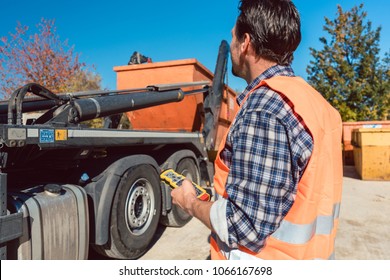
column 278, row 174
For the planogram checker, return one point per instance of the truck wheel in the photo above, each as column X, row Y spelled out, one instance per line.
column 177, row 217
column 135, row 213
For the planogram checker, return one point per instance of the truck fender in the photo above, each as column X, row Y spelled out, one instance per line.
column 101, row 191
column 174, row 159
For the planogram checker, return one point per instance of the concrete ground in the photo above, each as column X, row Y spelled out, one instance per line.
column 190, row 242
column 364, row 230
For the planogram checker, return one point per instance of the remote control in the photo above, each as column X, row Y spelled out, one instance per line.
column 174, row 180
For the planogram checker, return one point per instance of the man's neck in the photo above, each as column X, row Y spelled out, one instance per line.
column 257, row 67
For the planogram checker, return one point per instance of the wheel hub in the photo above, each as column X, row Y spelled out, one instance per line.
column 139, row 206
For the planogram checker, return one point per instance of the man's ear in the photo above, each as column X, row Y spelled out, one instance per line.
column 246, row 43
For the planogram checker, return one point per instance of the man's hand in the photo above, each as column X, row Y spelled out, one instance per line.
column 184, row 196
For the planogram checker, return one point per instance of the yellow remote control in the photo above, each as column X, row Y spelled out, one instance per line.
column 174, row 180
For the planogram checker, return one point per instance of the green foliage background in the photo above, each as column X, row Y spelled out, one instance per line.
column 348, row 71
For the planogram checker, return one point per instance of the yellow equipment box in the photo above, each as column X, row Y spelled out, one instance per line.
column 372, row 153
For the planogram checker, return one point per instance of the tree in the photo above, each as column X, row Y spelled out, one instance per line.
column 348, row 70
column 42, row 58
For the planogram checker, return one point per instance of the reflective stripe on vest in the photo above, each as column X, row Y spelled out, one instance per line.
column 301, row 234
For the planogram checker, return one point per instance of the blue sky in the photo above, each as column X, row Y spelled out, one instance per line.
column 106, row 33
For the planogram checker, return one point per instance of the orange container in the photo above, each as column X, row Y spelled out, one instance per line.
column 348, row 127
column 186, row 115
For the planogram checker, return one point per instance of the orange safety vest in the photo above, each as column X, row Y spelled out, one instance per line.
column 308, row 230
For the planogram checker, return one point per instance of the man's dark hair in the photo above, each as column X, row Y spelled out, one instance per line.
column 274, row 27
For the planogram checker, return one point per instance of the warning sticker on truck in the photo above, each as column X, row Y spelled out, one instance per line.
column 46, row 136
column 61, row 134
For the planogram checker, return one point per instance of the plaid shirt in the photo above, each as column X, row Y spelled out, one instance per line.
column 267, row 150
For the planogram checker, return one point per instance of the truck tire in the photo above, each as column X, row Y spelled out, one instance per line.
column 135, row 213
column 177, row 217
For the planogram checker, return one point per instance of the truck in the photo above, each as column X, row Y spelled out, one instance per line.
column 67, row 188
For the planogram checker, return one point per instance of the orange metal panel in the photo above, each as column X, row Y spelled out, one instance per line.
column 186, row 115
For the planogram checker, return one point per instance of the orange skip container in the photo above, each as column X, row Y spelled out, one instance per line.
column 186, row 115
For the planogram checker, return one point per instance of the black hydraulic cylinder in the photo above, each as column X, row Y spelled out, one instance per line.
column 102, row 106
column 36, row 105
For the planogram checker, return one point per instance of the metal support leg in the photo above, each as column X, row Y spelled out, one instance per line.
column 10, row 224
